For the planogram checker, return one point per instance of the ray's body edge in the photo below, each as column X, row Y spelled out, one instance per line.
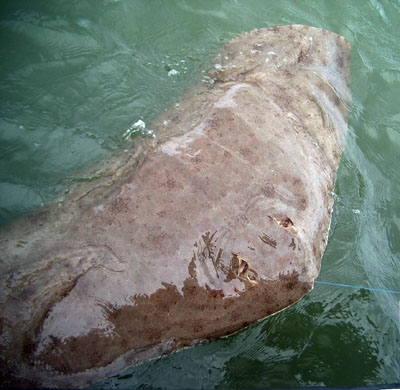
column 212, row 230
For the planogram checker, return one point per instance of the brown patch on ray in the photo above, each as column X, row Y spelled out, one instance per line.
column 196, row 313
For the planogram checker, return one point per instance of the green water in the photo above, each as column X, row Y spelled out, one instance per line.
column 74, row 75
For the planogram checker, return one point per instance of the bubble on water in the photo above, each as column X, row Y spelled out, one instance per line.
column 138, row 127
column 85, row 23
column 335, row 196
column 149, row 133
column 208, row 80
column 173, row 72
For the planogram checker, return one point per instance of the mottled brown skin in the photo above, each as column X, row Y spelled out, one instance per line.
column 173, row 316
column 219, row 224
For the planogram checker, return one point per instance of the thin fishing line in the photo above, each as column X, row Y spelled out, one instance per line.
column 357, row 287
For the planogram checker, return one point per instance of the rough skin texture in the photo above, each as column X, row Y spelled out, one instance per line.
column 220, row 224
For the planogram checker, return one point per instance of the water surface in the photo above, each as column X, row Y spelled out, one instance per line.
column 74, row 76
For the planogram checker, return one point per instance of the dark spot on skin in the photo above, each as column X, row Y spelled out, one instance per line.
column 302, row 56
column 245, row 152
column 38, row 218
column 290, row 286
column 28, row 346
column 171, row 183
column 268, row 190
column 120, row 205
column 195, row 160
column 339, row 61
column 302, row 204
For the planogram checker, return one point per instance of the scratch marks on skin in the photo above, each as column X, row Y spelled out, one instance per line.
column 179, row 145
column 242, row 269
column 235, row 155
column 109, row 249
column 286, row 223
column 268, row 240
column 227, row 101
column 206, row 249
column 239, row 268
column 194, row 155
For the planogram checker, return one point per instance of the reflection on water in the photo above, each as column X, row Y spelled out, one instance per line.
column 77, row 74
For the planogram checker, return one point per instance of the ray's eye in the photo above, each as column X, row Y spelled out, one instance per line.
column 286, row 222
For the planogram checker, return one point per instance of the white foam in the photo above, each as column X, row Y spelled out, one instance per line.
column 173, row 72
